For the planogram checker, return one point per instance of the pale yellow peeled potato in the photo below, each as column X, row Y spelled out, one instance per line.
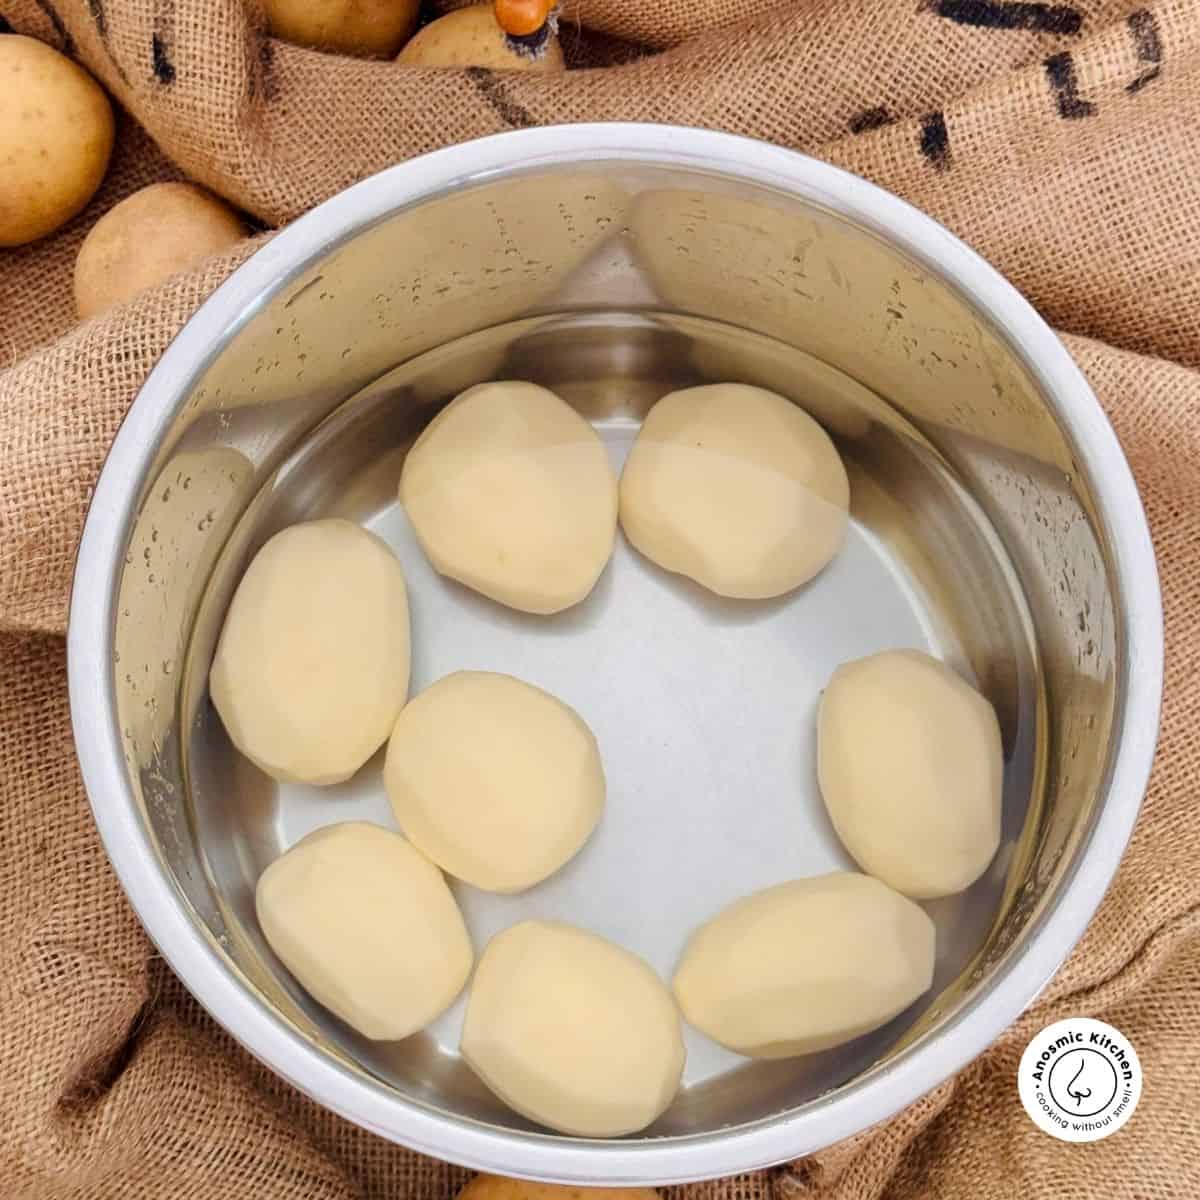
column 365, row 28
column 470, row 37
column 367, row 924
column 497, row 1187
column 806, row 965
column 572, row 1030
column 312, row 667
column 148, row 237
column 511, row 492
column 911, row 770
column 736, row 488
column 496, row 781
column 56, row 136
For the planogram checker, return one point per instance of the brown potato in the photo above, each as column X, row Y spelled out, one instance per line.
column 495, row 1187
column 56, row 135
column 470, row 37
column 148, row 237
column 366, row 28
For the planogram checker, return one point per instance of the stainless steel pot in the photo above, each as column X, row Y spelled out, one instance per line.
column 996, row 523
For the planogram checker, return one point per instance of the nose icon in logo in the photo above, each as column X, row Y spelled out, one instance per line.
column 1079, row 1095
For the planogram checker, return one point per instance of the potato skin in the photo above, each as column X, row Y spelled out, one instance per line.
column 363, row 28
column 56, row 137
column 471, row 37
column 146, row 238
column 494, row 1187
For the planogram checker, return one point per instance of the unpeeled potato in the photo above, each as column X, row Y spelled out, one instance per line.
column 366, row 28
column 471, row 37
column 494, row 1187
column 56, row 135
column 149, row 236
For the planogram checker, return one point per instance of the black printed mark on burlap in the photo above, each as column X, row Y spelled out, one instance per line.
column 164, row 68
column 5, row 27
column 1060, row 71
column 491, row 89
column 262, row 80
column 67, row 43
column 870, row 118
column 1146, row 40
column 1042, row 18
column 935, row 141
column 161, row 60
column 266, row 60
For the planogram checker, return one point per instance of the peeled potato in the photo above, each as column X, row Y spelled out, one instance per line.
column 147, row 238
column 312, row 667
column 911, row 770
column 496, row 1187
column 367, row 28
column 736, row 488
column 805, row 966
column 471, row 37
column 498, row 782
column 368, row 926
column 56, row 135
column 573, row 1031
column 511, row 492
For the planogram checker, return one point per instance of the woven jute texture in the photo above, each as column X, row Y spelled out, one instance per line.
column 1062, row 141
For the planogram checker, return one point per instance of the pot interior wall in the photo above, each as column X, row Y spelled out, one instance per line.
column 974, row 537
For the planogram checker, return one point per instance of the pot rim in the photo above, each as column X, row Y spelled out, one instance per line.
column 863, row 1102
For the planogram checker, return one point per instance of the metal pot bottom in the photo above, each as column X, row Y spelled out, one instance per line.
column 704, row 708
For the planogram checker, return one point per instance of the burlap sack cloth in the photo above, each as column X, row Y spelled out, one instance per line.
column 1063, row 142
